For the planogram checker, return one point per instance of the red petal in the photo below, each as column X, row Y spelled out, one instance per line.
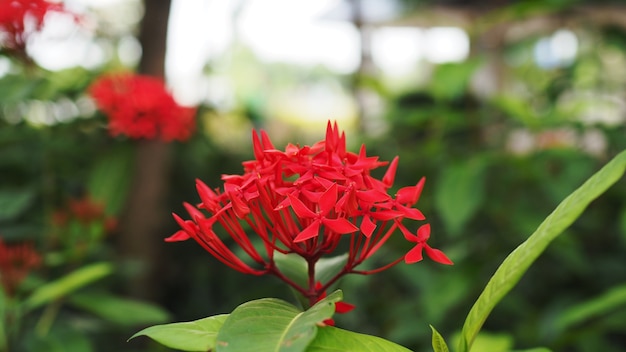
column 390, row 175
column 407, row 234
column 372, row 196
column 367, row 226
column 180, row 235
column 411, row 213
column 343, row 307
column 414, row 255
column 257, row 147
column 437, row 255
column 300, row 209
column 328, row 200
column 385, row 215
column 340, row 226
column 423, row 233
column 310, row 232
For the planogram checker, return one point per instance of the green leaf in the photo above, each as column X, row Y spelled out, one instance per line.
column 273, row 325
column 295, row 267
column 196, row 335
column 62, row 338
column 110, row 178
column 3, row 309
column 332, row 339
column 516, row 264
column 14, row 202
column 68, row 284
column 608, row 302
column 120, row 311
column 439, row 344
column 536, row 349
column 459, row 193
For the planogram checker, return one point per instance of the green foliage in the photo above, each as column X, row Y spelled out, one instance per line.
column 459, row 193
column 119, row 311
column 199, row 335
column 439, row 344
column 610, row 301
column 331, row 339
column 268, row 325
column 274, row 325
column 516, row 264
column 110, row 178
column 295, row 267
column 13, row 202
column 67, row 284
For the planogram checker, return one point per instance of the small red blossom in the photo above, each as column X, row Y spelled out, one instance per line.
column 420, row 238
column 140, row 106
column 16, row 261
column 304, row 201
column 19, row 19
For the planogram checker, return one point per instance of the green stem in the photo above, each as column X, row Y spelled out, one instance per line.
column 47, row 318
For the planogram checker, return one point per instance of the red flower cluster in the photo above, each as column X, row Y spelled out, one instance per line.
column 305, row 200
column 139, row 106
column 19, row 19
column 86, row 211
column 16, row 261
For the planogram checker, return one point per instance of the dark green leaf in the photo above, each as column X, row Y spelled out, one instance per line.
column 68, row 284
column 516, row 264
column 459, row 193
column 13, row 202
column 110, row 179
column 196, row 335
column 606, row 303
column 125, row 312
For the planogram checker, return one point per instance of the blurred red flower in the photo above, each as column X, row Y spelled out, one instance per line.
column 16, row 261
column 139, row 106
column 19, row 19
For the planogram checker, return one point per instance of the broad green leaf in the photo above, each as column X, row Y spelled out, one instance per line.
column 439, row 344
column 68, row 284
column 332, row 339
column 516, row 264
column 613, row 299
column 273, row 325
column 459, row 193
column 14, row 202
column 196, row 335
column 120, row 311
column 110, row 178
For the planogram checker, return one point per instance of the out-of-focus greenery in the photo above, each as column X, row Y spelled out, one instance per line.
column 486, row 191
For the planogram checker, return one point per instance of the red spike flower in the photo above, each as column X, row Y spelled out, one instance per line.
column 140, row 106
column 16, row 261
column 305, row 201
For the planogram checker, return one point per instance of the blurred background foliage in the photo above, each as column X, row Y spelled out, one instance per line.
column 503, row 131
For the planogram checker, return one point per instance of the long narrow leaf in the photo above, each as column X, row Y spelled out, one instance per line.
column 516, row 264
column 68, row 284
